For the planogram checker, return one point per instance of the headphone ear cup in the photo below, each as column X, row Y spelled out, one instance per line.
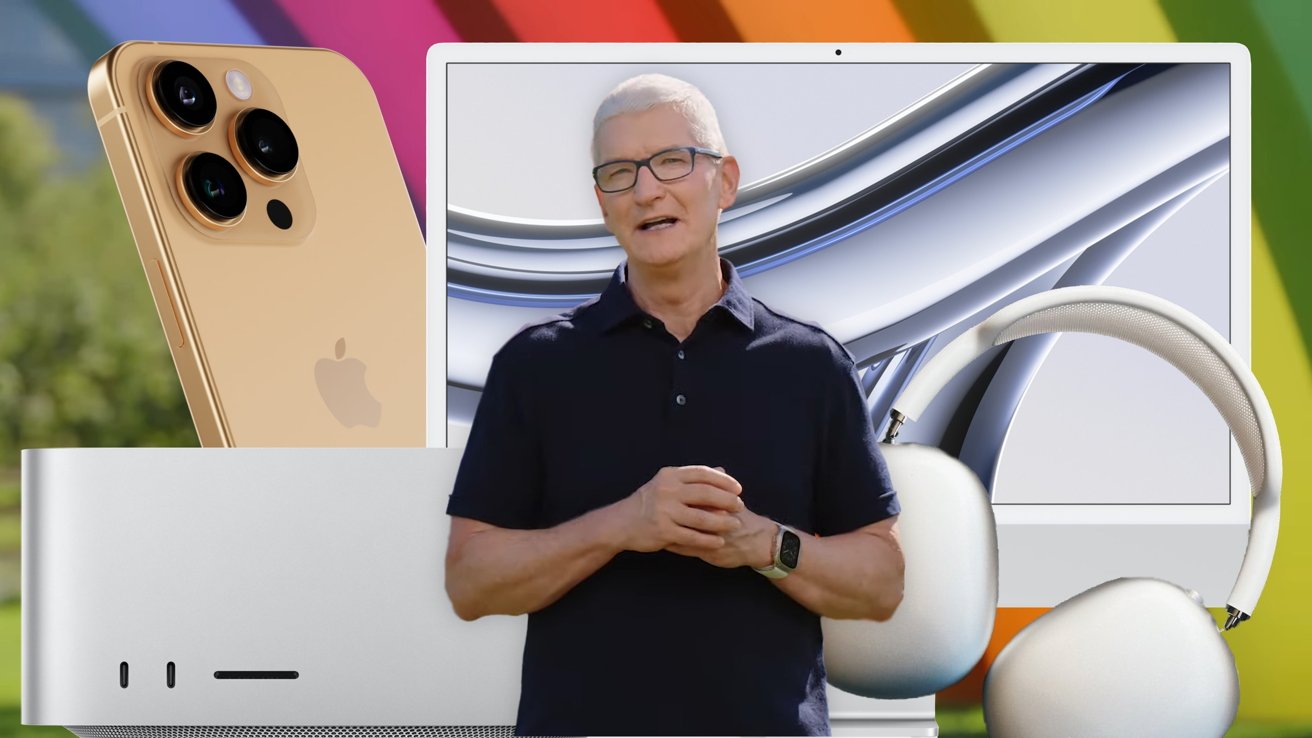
column 950, row 594
column 1128, row 657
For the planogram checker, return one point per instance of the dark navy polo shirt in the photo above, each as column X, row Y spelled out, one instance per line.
column 581, row 410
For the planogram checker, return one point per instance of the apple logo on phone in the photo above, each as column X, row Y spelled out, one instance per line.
column 341, row 384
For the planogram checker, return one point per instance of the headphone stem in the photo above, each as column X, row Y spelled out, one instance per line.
column 1234, row 618
column 894, row 426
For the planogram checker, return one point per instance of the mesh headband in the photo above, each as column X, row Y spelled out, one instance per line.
column 1174, row 334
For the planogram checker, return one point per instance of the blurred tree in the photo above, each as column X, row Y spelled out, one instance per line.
column 83, row 361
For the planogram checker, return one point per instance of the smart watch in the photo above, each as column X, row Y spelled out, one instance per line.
column 787, row 552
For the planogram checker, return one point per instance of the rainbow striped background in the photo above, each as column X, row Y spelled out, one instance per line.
column 388, row 41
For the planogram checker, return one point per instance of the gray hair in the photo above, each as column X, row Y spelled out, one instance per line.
column 647, row 91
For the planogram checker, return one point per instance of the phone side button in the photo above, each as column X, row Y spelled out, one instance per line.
column 164, row 296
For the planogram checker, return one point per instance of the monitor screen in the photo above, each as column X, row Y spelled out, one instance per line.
column 896, row 196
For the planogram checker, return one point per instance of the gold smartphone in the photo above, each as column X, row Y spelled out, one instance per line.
column 277, row 236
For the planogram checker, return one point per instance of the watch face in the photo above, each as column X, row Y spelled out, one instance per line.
column 790, row 549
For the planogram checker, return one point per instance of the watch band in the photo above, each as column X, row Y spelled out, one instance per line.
column 779, row 568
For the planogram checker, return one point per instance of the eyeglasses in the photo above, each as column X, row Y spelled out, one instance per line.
column 666, row 166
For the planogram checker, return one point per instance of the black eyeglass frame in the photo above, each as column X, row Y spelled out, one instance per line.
column 638, row 164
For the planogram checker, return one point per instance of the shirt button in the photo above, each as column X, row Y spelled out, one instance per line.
column 680, row 354
column 646, row 323
column 680, row 400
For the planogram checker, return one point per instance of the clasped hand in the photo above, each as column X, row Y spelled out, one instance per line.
column 697, row 511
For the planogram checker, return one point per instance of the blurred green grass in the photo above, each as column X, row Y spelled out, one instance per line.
column 10, row 545
column 9, row 489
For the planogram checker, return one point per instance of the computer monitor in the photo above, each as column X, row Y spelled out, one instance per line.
column 896, row 194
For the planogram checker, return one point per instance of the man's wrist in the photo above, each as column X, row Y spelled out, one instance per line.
column 785, row 554
column 767, row 537
column 612, row 523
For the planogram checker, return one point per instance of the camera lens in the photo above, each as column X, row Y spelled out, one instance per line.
column 184, row 95
column 214, row 186
column 266, row 143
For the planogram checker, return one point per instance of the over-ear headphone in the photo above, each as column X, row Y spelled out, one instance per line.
column 1128, row 657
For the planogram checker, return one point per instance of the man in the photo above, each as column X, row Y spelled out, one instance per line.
column 633, row 461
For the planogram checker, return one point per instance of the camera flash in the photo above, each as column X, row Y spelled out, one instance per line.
column 238, row 84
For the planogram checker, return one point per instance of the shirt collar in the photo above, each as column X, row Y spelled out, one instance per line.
column 615, row 305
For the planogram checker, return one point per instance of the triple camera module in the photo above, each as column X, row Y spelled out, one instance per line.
column 262, row 144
